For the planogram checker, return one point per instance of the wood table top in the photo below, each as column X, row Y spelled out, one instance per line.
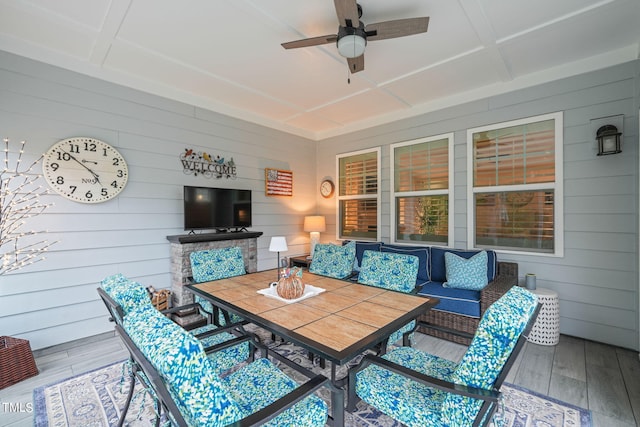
column 337, row 324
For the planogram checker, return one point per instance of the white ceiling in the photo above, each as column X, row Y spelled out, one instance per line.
column 225, row 55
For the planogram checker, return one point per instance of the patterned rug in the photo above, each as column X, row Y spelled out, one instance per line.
column 96, row 399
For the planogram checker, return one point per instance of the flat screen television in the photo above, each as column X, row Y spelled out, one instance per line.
column 222, row 209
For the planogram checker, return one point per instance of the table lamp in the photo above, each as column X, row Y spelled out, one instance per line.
column 278, row 244
column 314, row 225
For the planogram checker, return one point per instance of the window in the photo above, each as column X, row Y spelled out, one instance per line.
column 515, row 185
column 422, row 190
column 359, row 195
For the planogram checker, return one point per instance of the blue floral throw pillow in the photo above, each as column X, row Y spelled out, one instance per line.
column 333, row 260
column 466, row 273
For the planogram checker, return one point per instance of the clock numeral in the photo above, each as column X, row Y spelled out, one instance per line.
column 116, row 161
column 74, row 148
column 88, row 194
column 59, row 180
column 64, row 156
column 114, row 184
column 73, row 188
column 54, row 166
column 90, row 147
column 104, row 192
column 120, row 173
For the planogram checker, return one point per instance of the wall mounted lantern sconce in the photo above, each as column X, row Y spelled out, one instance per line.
column 608, row 139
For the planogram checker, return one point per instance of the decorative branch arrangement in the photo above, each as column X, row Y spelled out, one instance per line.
column 19, row 200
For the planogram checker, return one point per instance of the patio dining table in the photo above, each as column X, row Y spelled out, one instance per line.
column 337, row 322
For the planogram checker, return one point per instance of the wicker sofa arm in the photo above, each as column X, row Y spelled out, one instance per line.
column 506, row 278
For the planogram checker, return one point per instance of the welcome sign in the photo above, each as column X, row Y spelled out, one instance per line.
column 205, row 164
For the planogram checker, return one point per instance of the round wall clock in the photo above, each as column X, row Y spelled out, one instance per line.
column 85, row 170
column 327, row 188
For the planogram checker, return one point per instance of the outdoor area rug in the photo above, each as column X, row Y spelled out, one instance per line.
column 96, row 398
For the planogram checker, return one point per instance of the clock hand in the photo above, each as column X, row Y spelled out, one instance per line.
column 95, row 175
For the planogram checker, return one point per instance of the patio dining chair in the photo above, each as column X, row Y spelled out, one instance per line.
column 397, row 272
column 121, row 296
column 192, row 394
column 216, row 264
column 420, row 389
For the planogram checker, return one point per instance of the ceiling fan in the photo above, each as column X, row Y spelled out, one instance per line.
column 353, row 34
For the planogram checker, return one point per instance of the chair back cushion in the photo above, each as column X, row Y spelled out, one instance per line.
column 126, row 293
column 333, row 260
column 496, row 336
column 181, row 361
column 389, row 270
column 360, row 248
column 214, row 264
column 422, row 254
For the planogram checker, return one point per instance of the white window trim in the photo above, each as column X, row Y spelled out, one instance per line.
column 378, row 152
column 449, row 191
column 556, row 186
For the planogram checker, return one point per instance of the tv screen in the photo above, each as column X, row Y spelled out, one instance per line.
column 216, row 208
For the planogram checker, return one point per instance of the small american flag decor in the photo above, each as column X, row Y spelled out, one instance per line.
column 278, row 182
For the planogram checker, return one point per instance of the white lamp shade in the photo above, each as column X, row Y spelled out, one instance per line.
column 351, row 46
column 278, row 244
column 314, row 223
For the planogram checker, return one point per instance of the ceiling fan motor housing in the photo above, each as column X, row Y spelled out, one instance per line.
column 351, row 41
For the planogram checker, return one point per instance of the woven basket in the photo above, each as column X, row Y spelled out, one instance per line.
column 160, row 299
column 16, row 361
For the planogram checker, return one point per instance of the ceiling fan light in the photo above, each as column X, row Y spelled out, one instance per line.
column 351, row 46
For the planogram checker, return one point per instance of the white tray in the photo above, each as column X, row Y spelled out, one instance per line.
column 309, row 291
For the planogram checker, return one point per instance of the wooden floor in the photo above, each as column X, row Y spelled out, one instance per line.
column 599, row 377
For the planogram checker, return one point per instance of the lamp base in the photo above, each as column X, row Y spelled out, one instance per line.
column 315, row 239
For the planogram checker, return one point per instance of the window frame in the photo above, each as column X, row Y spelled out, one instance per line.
column 448, row 192
column 377, row 195
column 556, row 185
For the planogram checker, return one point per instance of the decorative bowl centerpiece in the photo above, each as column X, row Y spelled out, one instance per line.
column 290, row 285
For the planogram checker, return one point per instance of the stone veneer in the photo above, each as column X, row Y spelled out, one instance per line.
column 183, row 245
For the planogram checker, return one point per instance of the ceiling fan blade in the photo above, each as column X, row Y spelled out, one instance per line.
column 397, row 28
column 347, row 11
column 313, row 41
column 356, row 64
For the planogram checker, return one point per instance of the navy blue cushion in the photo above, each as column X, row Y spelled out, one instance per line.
column 458, row 301
column 438, row 266
column 421, row 253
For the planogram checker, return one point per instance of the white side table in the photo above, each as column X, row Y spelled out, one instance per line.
column 546, row 330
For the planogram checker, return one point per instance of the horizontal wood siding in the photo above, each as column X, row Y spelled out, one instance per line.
column 597, row 278
column 55, row 300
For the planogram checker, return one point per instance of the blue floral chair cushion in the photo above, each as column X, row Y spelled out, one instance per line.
column 214, row 264
column 392, row 271
column 126, row 293
column 333, row 260
column 411, row 403
column 261, row 383
column 202, row 397
column 181, row 361
column 495, row 338
column 389, row 270
column 418, row 405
